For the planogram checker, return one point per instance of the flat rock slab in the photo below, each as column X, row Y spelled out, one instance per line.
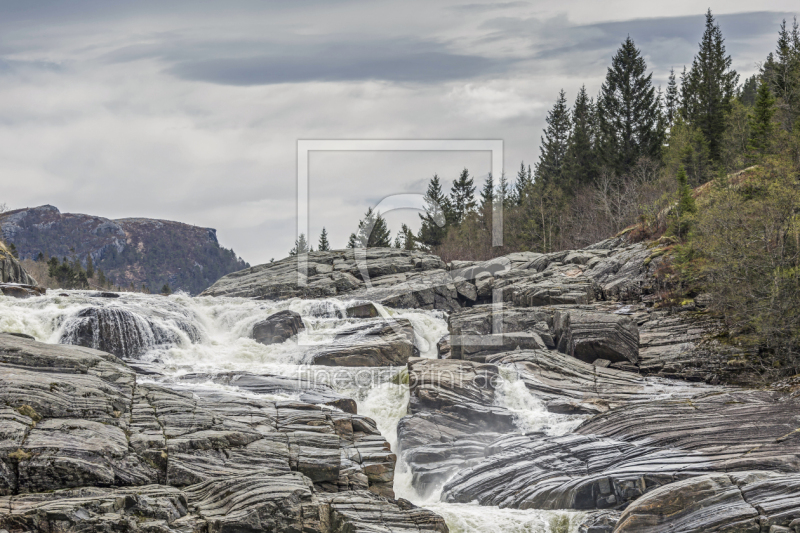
column 375, row 343
column 17, row 290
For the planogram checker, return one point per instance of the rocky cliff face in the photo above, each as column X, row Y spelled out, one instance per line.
column 10, row 269
column 131, row 250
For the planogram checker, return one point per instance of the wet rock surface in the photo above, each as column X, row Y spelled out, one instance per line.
column 278, row 327
column 85, row 445
column 374, row 343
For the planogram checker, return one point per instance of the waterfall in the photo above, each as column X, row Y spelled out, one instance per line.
column 208, row 336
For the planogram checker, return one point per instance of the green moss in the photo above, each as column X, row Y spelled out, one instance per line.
column 30, row 412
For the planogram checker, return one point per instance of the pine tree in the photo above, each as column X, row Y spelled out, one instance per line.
column 709, row 87
column 300, row 246
column 782, row 72
column 324, row 245
column 40, row 257
column 580, row 167
column 101, row 278
column 628, row 114
column 165, row 290
column 672, row 100
column 761, row 126
column 89, row 266
column 554, row 144
column 373, row 232
column 436, row 219
column 462, row 197
column 13, row 249
column 523, row 183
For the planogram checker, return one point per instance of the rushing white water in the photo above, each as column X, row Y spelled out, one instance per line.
column 222, row 343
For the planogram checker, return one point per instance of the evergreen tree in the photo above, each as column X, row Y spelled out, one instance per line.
column 462, row 197
column 436, row 219
column 628, row 113
column 522, row 185
column 553, row 149
column 749, row 90
column 40, row 257
column 685, row 205
column 709, row 87
column 300, row 246
column 504, row 192
column 672, row 100
column 89, row 266
column 324, row 245
column 487, row 192
column 782, row 72
column 101, row 278
column 13, row 249
column 165, row 290
column 373, row 232
column 761, row 126
column 404, row 238
column 580, row 165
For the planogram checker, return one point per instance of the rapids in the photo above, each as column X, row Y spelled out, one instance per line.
column 211, row 335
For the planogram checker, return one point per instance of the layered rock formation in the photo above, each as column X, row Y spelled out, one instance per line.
column 86, row 446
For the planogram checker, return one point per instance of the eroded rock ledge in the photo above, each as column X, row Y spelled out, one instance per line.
column 86, row 445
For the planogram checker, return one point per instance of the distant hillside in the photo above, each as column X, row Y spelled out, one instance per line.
column 130, row 250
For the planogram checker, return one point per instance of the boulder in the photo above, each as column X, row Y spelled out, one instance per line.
column 17, row 290
column 591, row 336
column 374, row 343
column 122, row 332
column 11, row 271
column 278, row 327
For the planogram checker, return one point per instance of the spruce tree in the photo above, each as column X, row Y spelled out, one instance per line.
column 554, row 144
column 404, row 239
column 709, row 87
column 749, row 90
column 487, row 192
column 782, row 72
column 324, row 245
column 504, row 193
column 373, row 232
column 761, row 126
column 462, row 197
column 436, row 218
column 165, row 290
column 685, row 205
column 89, row 266
column 522, row 185
column 672, row 100
column 580, row 167
column 628, row 114
column 300, row 246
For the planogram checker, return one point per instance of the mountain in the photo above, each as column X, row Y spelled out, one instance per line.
column 138, row 251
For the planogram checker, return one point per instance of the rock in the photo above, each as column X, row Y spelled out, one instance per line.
column 16, row 290
column 618, row 456
column 744, row 501
column 74, row 416
column 377, row 343
column 599, row 522
column 105, row 294
column 121, row 332
column 590, row 336
column 143, row 509
column 278, row 327
column 485, row 330
column 11, row 272
column 362, row 310
column 365, row 512
column 443, row 350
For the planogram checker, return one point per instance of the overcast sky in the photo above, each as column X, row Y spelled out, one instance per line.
column 191, row 110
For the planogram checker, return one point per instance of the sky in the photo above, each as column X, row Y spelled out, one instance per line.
column 191, row 110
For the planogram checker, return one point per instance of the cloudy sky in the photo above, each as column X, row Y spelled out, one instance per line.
column 191, row 110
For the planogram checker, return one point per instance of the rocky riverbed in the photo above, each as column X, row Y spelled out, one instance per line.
column 387, row 391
